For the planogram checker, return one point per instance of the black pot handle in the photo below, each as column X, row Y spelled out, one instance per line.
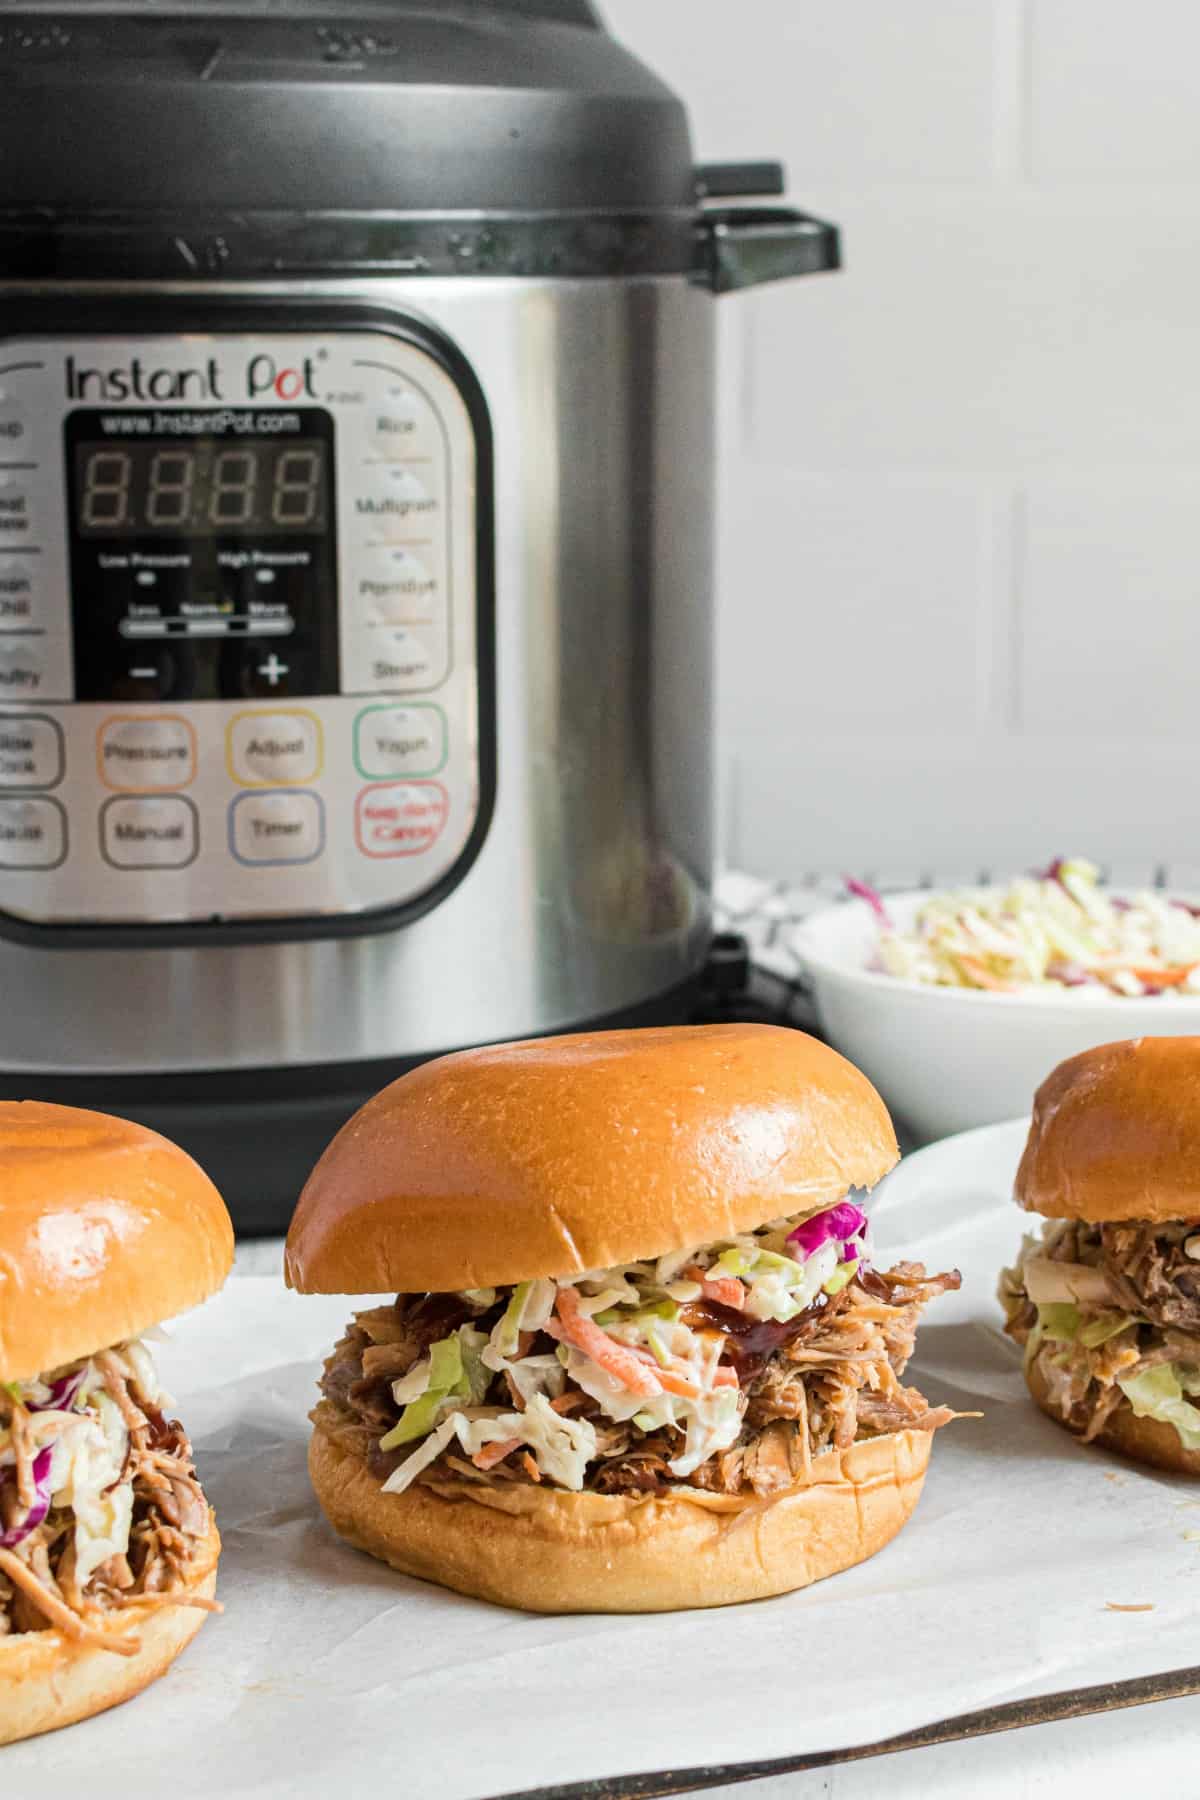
column 744, row 246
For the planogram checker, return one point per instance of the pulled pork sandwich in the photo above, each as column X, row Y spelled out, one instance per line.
column 639, row 1358
column 1106, row 1299
column 108, row 1549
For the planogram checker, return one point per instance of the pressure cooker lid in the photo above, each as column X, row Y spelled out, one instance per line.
column 513, row 106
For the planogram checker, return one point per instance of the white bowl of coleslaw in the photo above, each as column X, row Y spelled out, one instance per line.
column 957, row 1008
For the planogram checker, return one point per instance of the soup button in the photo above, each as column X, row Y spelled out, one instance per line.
column 400, row 818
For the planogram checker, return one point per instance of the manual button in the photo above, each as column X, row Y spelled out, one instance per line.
column 274, row 749
column 33, row 834
column 277, row 828
column 142, row 754
column 31, row 751
column 149, row 834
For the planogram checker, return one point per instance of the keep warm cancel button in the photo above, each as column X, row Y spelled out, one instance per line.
column 400, row 818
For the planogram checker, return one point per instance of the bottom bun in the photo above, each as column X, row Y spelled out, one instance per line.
column 549, row 1551
column 1142, row 1440
column 46, row 1680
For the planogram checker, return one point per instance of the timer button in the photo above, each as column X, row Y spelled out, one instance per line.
column 33, row 834
column 276, row 828
column 149, row 834
column 280, row 749
column 31, row 751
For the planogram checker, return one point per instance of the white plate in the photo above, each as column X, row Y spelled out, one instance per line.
column 947, row 1059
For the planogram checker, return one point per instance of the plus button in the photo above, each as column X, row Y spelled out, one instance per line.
column 273, row 669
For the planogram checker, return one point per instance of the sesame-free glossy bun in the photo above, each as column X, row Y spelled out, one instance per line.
column 1142, row 1440
column 559, row 1155
column 1116, row 1134
column 47, row 1681
column 105, row 1229
column 543, row 1550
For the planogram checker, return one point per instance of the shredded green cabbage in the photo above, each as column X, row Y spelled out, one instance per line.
column 1159, row 1394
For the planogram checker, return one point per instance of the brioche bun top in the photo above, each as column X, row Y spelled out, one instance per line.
column 560, row 1155
column 1116, row 1134
column 106, row 1228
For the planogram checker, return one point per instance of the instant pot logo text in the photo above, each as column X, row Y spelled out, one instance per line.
column 263, row 377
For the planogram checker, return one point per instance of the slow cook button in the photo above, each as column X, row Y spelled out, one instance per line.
column 33, row 834
column 141, row 754
column 162, row 833
column 400, row 818
column 286, row 827
column 394, row 587
column 275, row 749
column 400, row 740
column 31, row 751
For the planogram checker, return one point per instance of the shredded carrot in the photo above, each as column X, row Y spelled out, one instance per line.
column 983, row 977
column 531, row 1468
column 1162, row 978
column 725, row 1377
column 622, row 1364
column 726, row 1290
column 491, row 1454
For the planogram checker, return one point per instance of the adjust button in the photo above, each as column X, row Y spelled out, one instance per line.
column 162, row 833
column 400, row 740
column 31, row 751
column 33, row 834
column 140, row 755
column 287, row 827
column 274, row 749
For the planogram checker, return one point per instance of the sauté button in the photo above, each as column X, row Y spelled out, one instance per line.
column 400, row 740
column 274, row 749
column 162, row 833
column 287, row 827
column 144, row 754
column 400, row 818
column 33, row 834
column 31, row 751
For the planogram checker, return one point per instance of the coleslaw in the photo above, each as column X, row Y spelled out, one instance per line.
column 1053, row 930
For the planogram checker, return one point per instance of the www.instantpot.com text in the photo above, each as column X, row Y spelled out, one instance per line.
column 229, row 422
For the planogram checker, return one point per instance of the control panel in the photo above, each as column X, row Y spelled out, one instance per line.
column 241, row 657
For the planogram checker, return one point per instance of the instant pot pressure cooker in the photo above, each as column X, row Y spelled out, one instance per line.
column 356, row 503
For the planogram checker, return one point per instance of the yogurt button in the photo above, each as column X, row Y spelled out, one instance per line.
column 31, row 751
column 277, row 828
column 161, row 833
column 274, row 749
column 137, row 754
column 400, row 740
column 33, row 834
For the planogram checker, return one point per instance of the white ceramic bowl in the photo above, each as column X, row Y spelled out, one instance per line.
column 947, row 1059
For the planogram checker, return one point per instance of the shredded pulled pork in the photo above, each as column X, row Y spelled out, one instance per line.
column 1130, row 1283
column 816, row 1381
column 168, row 1520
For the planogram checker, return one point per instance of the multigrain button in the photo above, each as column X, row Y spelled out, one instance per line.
column 276, row 828
column 33, row 834
column 144, row 754
column 31, row 751
column 162, row 833
column 400, row 818
column 274, row 749
column 400, row 740
column 395, row 501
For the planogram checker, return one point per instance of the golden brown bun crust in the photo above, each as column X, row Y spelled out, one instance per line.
column 548, row 1551
column 1142, row 1440
column 46, row 1681
column 105, row 1229
column 1116, row 1134
column 559, row 1155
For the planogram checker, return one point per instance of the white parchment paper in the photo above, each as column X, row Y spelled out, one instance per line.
column 330, row 1675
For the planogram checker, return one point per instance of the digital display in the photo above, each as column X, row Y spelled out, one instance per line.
column 205, row 487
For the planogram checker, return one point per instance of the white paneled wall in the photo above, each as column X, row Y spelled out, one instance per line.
column 959, row 564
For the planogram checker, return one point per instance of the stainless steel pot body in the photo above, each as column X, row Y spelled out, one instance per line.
column 590, row 893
